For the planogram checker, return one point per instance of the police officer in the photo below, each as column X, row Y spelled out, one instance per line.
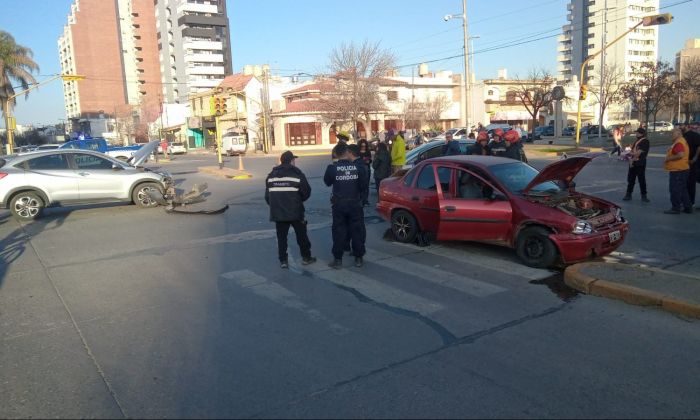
column 349, row 180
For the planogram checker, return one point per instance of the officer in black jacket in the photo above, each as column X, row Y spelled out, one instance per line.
column 286, row 189
column 349, row 180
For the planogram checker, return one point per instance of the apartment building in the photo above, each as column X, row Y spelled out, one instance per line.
column 193, row 44
column 113, row 44
column 595, row 22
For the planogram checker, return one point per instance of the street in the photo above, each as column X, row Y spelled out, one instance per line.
column 115, row 311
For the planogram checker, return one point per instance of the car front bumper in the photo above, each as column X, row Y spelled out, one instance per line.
column 574, row 248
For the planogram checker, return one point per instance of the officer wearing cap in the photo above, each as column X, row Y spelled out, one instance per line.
column 286, row 189
column 348, row 181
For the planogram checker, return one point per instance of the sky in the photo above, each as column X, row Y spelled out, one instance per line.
column 297, row 36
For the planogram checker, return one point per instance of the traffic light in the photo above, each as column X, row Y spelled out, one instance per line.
column 217, row 106
column 657, row 19
column 583, row 92
column 212, row 105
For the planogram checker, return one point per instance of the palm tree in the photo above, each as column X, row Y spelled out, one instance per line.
column 16, row 66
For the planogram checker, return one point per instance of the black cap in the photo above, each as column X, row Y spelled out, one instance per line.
column 641, row 131
column 287, row 157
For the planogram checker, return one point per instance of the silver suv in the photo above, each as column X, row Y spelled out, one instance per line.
column 31, row 182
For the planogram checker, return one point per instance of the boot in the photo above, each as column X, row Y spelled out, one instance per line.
column 645, row 198
column 627, row 197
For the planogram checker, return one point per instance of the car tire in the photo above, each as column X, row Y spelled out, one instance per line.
column 141, row 198
column 27, row 205
column 404, row 226
column 535, row 249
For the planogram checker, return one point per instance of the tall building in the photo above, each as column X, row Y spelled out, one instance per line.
column 113, row 44
column 583, row 36
column 195, row 51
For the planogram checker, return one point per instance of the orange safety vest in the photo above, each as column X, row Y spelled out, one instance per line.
column 680, row 164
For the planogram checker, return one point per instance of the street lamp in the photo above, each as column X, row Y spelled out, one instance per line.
column 680, row 81
column 10, row 122
column 652, row 20
column 465, row 92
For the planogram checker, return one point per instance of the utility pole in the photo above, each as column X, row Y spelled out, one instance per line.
column 466, row 64
column 601, row 97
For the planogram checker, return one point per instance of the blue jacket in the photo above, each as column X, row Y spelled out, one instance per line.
column 349, row 180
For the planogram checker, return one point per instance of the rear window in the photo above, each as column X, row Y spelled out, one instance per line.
column 48, row 162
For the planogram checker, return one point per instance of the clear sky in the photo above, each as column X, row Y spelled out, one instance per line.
column 297, row 36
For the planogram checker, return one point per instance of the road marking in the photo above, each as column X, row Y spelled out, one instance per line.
column 482, row 260
column 380, row 292
column 443, row 278
column 280, row 295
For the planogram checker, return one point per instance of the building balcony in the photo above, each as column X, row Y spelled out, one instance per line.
column 197, row 8
column 203, row 45
column 569, row 7
column 564, row 49
column 204, row 58
column 564, row 57
column 206, row 70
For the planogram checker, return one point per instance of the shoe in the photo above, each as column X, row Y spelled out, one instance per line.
column 689, row 210
column 358, row 261
column 307, row 261
column 284, row 264
column 645, row 199
column 672, row 211
column 365, row 204
column 336, row 263
column 627, row 197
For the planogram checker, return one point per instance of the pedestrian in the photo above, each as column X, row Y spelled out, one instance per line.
column 286, row 189
column 356, row 156
column 678, row 167
column 617, row 141
column 348, row 182
column 471, row 136
column 381, row 165
column 481, row 147
column 638, row 165
column 398, row 153
column 513, row 150
column 497, row 145
column 451, row 146
column 693, row 139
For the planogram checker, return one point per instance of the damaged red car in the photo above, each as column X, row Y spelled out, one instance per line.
column 505, row 202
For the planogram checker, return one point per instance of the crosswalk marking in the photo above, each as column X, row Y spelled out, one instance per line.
column 280, row 295
column 491, row 263
column 443, row 278
column 380, row 292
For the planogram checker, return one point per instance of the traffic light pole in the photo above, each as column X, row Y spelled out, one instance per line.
column 218, row 143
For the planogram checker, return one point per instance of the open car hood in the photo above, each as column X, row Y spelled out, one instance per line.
column 562, row 170
column 141, row 155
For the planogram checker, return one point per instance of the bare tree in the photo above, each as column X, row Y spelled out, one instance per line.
column 413, row 114
column 357, row 73
column 651, row 88
column 434, row 108
column 613, row 83
column 535, row 92
column 689, row 87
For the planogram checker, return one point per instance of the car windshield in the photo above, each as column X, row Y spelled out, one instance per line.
column 418, row 150
column 516, row 176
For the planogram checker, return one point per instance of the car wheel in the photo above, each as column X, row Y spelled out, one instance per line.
column 140, row 195
column 26, row 206
column 404, row 226
column 535, row 248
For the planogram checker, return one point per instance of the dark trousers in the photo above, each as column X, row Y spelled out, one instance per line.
column 365, row 193
column 348, row 222
column 692, row 178
column 376, row 184
column 617, row 149
column 678, row 187
column 302, row 238
column 634, row 173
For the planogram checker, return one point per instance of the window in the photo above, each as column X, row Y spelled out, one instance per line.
column 469, row 187
column 47, row 163
column 426, row 179
column 445, row 175
column 490, row 93
column 84, row 161
column 408, row 179
column 392, row 95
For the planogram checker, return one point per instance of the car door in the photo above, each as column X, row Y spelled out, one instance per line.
column 424, row 199
column 97, row 178
column 473, row 211
column 52, row 174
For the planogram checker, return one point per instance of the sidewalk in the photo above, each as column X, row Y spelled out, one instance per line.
column 554, row 150
column 225, row 172
column 643, row 286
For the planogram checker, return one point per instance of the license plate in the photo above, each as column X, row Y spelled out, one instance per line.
column 614, row 236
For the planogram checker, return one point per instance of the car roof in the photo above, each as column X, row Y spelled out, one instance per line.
column 29, row 155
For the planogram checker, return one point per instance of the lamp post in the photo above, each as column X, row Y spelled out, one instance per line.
column 652, row 20
column 465, row 92
column 680, row 81
column 9, row 121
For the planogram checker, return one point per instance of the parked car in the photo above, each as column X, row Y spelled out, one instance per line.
column 234, row 143
column 569, row 131
column 432, row 149
column 503, row 201
column 99, row 144
column 457, row 133
column 176, row 148
column 661, row 126
column 31, row 182
column 592, row 130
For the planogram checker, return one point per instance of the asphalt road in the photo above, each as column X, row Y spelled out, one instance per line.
column 114, row 311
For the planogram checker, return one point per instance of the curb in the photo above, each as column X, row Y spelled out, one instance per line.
column 238, row 175
column 575, row 278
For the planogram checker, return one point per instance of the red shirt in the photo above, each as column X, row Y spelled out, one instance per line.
column 677, row 148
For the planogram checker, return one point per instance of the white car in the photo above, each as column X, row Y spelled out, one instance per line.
column 661, row 126
column 176, row 148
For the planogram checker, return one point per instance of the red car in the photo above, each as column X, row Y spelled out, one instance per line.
column 506, row 202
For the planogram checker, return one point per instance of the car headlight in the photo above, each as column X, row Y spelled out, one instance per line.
column 618, row 214
column 582, row 227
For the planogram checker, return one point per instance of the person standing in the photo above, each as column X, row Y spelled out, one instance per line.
column 381, row 165
column 451, row 146
column 366, row 156
column 638, row 165
column 617, row 141
column 677, row 165
column 693, row 139
column 398, row 153
column 497, row 145
column 513, row 150
column 348, row 182
column 286, row 189
column 481, row 147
